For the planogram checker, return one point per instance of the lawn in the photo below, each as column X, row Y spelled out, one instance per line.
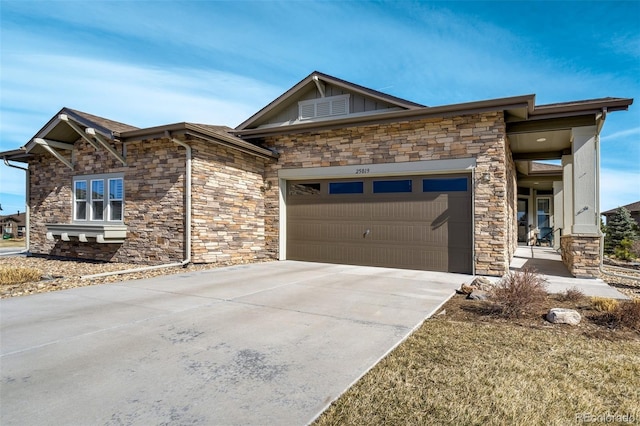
column 471, row 367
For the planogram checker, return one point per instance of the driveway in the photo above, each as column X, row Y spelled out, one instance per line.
column 271, row 343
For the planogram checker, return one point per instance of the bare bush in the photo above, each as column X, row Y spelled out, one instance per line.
column 573, row 294
column 520, row 294
column 628, row 314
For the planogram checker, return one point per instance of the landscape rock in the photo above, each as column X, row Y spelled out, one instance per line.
column 563, row 316
column 465, row 289
column 482, row 283
column 478, row 295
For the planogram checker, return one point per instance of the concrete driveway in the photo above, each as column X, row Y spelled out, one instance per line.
column 271, row 343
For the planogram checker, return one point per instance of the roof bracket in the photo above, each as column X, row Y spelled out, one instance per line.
column 105, row 144
column 100, row 141
column 319, row 85
column 50, row 147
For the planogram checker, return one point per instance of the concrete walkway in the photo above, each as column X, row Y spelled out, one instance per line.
column 261, row 344
column 548, row 262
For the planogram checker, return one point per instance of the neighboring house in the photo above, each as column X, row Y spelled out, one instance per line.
column 13, row 225
column 634, row 209
column 330, row 171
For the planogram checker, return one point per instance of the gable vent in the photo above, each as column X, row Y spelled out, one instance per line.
column 323, row 107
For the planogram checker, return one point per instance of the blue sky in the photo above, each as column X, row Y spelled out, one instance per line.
column 150, row 63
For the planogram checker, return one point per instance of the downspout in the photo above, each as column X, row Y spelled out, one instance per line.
column 27, row 194
column 187, row 227
column 187, row 197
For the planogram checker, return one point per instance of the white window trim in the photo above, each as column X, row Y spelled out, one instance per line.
column 106, row 205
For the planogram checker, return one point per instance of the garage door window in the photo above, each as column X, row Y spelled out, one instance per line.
column 444, row 185
column 304, row 188
column 387, row 186
column 346, row 188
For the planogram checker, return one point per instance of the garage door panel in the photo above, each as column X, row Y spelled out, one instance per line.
column 415, row 230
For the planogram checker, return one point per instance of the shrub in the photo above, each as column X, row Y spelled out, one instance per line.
column 619, row 227
column 519, row 293
column 13, row 275
column 572, row 294
column 623, row 250
column 624, row 315
column 628, row 314
column 604, row 304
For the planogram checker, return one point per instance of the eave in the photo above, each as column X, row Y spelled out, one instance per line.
column 200, row 132
column 518, row 104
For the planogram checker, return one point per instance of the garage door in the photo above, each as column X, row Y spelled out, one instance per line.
column 412, row 222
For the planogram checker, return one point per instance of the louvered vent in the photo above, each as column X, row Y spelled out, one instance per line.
column 323, row 107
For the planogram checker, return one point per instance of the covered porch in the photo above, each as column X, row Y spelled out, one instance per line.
column 556, row 152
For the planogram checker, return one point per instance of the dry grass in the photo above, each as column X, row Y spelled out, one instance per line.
column 12, row 275
column 604, row 304
column 470, row 368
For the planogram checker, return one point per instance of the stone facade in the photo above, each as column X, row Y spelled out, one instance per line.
column 581, row 255
column 480, row 136
column 153, row 212
column 227, row 203
column 228, row 215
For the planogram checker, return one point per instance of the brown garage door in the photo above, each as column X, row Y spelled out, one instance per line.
column 414, row 222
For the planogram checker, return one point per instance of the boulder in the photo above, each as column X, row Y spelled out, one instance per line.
column 563, row 316
column 482, row 283
column 478, row 295
column 465, row 289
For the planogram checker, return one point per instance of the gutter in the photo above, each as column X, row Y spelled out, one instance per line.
column 187, row 227
column 27, row 213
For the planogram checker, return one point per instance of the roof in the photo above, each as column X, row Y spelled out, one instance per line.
column 633, row 207
column 61, row 131
column 311, row 80
column 544, row 167
column 18, row 218
column 114, row 126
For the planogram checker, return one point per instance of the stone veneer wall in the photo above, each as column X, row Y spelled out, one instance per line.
column 581, row 255
column 477, row 135
column 228, row 205
column 153, row 213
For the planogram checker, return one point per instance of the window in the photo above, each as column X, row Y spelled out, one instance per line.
column 96, row 205
column 296, row 188
column 80, row 199
column 115, row 199
column 387, row 186
column 346, row 188
column 544, row 212
column 444, row 184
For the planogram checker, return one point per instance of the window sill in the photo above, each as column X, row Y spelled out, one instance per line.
column 103, row 234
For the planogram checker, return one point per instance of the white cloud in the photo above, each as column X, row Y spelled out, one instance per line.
column 136, row 95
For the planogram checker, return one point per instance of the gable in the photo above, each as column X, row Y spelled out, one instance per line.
column 320, row 97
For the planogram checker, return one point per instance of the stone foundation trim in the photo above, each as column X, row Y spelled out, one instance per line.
column 581, row 255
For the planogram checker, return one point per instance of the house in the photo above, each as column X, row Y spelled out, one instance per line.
column 330, row 171
column 13, row 225
column 634, row 210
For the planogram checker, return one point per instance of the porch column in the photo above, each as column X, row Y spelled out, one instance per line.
column 567, row 194
column 585, row 209
column 558, row 212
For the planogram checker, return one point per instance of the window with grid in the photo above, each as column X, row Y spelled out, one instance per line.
column 98, row 198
